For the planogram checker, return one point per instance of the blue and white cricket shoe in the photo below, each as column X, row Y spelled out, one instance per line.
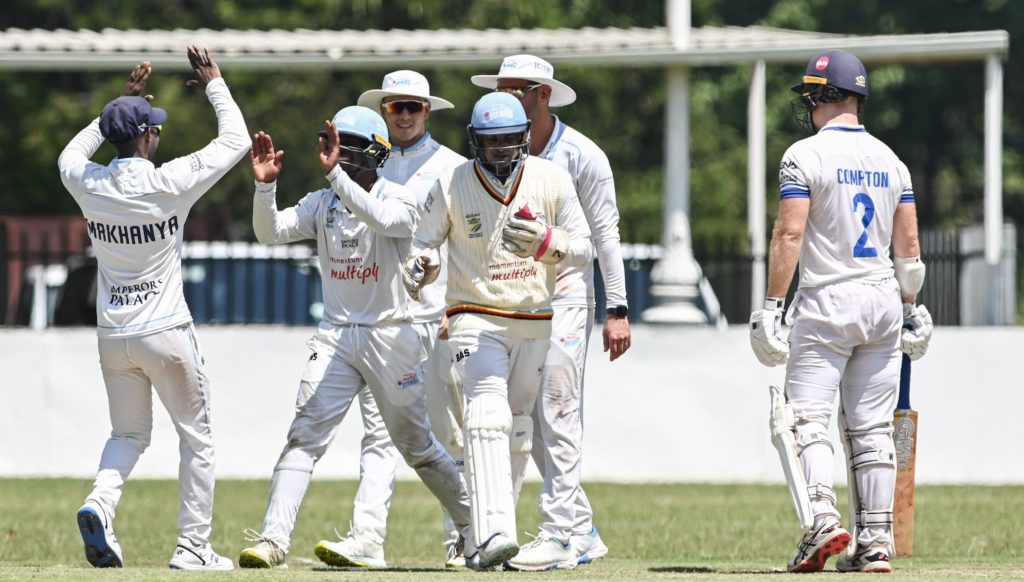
column 101, row 547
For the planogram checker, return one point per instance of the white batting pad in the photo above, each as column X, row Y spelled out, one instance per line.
column 488, row 467
column 781, row 423
column 520, row 447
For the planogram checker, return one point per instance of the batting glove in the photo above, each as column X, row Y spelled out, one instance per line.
column 917, row 330
column 527, row 237
column 420, row 271
column 766, row 337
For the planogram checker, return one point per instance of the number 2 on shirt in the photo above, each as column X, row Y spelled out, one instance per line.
column 861, row 248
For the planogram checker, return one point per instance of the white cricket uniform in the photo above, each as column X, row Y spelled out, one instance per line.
column 558, row 414
column 418, row 168
column 135, row 213
column 365, row 340
column 847, row 313
column 499, row 312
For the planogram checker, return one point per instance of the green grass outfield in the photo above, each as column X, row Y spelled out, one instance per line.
column 655, row 531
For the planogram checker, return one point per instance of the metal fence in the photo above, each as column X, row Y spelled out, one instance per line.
column 47, row 277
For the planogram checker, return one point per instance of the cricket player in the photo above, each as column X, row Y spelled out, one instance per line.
column 363, row 226
column 136, row 217
column 508, row 218
column 416, row 161
column 567, row 535
column 846, row 200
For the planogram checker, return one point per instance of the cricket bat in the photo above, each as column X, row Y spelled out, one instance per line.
column 905, row 435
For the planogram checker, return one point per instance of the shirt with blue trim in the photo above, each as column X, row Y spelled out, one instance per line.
column 135, row 213
column 854, row 184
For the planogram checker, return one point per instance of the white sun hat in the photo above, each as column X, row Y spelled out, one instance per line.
column 530, row 68
column 403, row 83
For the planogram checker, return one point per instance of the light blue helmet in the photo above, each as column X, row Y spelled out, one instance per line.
column 499, row 114
column 367, row 124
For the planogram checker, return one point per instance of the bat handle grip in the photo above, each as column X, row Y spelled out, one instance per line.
column 904, row 398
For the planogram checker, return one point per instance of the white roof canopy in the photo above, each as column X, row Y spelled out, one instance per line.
column 111, row 49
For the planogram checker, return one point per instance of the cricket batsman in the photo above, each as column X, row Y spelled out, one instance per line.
column 508, row 218
column 846, row 201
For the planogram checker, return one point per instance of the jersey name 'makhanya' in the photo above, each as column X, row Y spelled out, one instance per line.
column 134, row 234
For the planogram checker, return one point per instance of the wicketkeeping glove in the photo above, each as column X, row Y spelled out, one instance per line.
column 526, row 236
column 420, row 271
column 917, row 330
column 766, row 338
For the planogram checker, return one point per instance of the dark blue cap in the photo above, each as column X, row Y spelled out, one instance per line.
column 838, row 69
column 126, row 117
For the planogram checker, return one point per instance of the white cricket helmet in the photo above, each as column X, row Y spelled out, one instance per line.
column 499, row 114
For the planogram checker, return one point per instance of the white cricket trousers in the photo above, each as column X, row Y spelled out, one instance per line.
column 500, row 377
column 845, row 339
column 344, row 359
column 558, row 426
column 378, row 459
column 170, row 363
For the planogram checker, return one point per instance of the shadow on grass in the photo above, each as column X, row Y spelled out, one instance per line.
column 683, row 570
column 705, row 570
column 382, row 570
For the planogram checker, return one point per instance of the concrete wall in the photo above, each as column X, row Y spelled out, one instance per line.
column 685, row 404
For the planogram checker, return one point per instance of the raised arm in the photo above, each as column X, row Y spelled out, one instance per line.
column 193, row 175
column 273, row 226
column 75, row 157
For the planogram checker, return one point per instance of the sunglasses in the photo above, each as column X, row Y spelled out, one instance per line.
column 399, row 106
column 158, row 128
column 519, row 92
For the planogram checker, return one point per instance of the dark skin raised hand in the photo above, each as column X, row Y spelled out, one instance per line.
column 329, row 152
column 266, row 163
column 206, row 70
column 136, row 84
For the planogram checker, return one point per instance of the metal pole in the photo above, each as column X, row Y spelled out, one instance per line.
column 994, row 184
column 756, row 195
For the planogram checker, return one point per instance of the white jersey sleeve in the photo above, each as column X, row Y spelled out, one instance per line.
column 854, row 183
column 394, row 215
column 592, row 177
column 273, row 226
column 135, row 216
column 571, row 218
column 433, row 228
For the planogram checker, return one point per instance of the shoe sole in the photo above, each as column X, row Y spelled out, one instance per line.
column 198, row 568
column 567, row 565
column 332, row 558
column 97, row 551
column 251, row 560
column 816, row 561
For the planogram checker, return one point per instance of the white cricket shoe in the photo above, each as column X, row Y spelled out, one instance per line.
column 874, row 558
column 101, row 547
column 265, row 554
column 456, row 552
column 495, row 551
column 189, row 555
column 588, row 547
column 818, row 545
column 356, row 550
column 544, row 553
